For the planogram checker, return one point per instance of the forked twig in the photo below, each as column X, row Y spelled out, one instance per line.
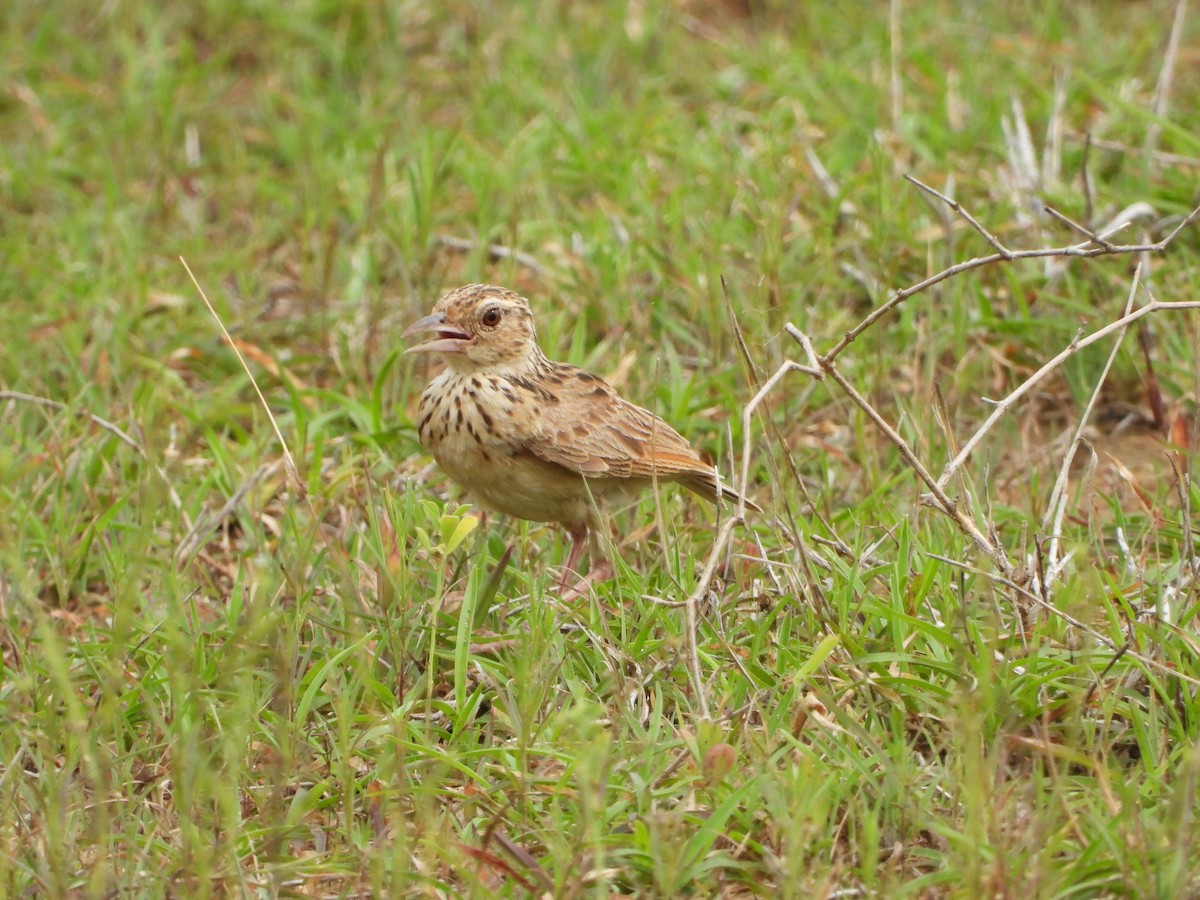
column 809, row 367
column 1003, row 406
column 1057, row 508
column 1086, row 250
column 943, row 502
column 825, row 366
column 957, row 207
column 1083, row 230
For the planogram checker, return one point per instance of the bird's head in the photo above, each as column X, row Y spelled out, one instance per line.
column 480, row 327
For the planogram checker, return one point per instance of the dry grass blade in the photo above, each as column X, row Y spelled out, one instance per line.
column 295, row 483
column 1166, row 77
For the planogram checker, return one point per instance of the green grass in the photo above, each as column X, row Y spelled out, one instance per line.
column 326, row 693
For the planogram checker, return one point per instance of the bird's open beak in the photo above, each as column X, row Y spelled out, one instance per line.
column 448, row 340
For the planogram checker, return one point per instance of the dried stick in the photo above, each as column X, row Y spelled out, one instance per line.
column 957, row 207
column 943, row 501
column 1083, row 230
column 1029, row 383
column 108, row 426
column 810, row 367
column 824, row 366
column 1058, row 496
column 1085, row 250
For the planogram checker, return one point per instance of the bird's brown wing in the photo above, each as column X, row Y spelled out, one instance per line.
column 593, row 431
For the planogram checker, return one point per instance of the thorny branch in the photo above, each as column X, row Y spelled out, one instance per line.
column 825, row 366
column 1099, row 246
column 1029, row 383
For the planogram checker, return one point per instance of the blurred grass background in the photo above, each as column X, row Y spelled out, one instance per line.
column 211, row 686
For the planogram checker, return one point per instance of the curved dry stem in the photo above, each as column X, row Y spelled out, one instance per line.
column 1029, row 383
column 1087, row 250
column 1057, row 507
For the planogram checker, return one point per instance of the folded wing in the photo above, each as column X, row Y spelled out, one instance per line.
column 596, row 433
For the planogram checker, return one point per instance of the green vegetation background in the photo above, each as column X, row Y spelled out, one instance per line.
column 210, row 685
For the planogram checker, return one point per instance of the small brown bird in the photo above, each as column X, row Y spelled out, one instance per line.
column 538, row 439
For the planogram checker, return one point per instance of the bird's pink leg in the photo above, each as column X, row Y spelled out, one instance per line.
column 579, row 537
column 571, row 585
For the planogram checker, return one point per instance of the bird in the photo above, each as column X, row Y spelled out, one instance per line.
column 536, row 439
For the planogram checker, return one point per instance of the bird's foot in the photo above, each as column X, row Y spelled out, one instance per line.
column 569, row 590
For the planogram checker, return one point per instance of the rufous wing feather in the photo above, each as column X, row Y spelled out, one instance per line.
column 596, row 433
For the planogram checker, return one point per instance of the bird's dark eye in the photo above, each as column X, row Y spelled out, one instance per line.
column 491, row 316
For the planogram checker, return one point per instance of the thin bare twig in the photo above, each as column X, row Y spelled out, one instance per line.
column 108, row 426
column 957, row 207
column 824, row 366
column 1085, row 250
column 1029, row 383
column 1057, row 507
column 965, row 523
column 809, row 367
column 1082, row 229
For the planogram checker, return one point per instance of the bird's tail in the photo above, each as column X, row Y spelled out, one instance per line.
column 707, row 485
